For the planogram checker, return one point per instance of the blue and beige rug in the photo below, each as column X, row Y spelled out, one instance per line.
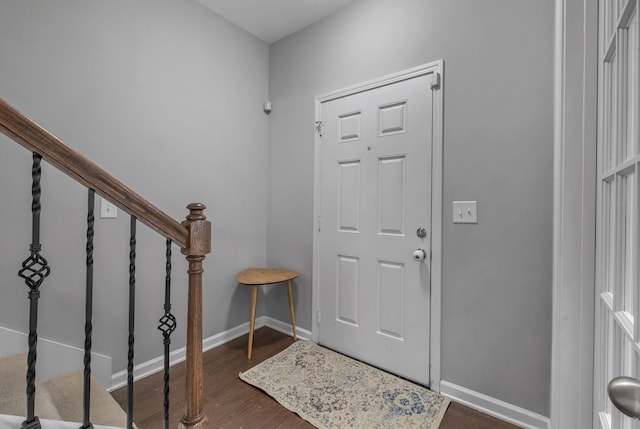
column 330, row 390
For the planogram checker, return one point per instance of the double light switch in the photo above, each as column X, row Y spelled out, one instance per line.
column 465, row 212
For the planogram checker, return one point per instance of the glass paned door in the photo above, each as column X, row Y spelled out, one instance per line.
column 618, row 289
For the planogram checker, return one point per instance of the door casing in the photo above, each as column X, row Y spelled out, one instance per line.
column 436, row 70
column 574, row 224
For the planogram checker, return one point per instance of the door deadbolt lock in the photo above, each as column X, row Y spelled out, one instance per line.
column 421, row 232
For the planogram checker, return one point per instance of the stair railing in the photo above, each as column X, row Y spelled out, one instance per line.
column 193, row 236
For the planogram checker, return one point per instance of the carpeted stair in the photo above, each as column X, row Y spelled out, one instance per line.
column 56, row 399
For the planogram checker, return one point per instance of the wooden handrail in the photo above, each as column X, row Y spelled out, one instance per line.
column 193, row 235
column 17, row 126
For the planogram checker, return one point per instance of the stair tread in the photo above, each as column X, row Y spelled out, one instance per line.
column 13, row 396
column 66, row 393
column 13, row 422
column 58, row 399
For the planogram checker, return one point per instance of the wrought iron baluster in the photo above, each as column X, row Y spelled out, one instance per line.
column 167, row 326
column 34, row 270
column 88, row 326
column 132, row 315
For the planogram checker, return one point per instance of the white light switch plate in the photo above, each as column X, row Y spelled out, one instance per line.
column 107, row 210
column 465, row 212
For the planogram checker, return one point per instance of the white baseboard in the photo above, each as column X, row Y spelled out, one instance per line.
column 494, row 407
column 155, row 365
column 54, row 358
column 285, row 328
column 68, row 358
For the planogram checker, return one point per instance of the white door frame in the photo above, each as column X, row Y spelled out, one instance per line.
column 574, row 206
column 436, row 69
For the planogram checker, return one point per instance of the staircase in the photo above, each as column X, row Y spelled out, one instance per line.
column 77, row 396
column 58, row 400
column 12, row 422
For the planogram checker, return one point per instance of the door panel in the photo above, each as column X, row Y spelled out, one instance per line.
column 375, row 192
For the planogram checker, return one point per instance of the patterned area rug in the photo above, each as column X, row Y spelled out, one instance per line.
column 330, row 390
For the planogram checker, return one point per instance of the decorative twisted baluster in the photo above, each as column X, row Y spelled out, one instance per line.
column 132, row 316
column 88, row 326
column 167, row 326
column 34, row 270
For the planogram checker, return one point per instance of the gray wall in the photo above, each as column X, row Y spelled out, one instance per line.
column 496, row 333
column 165, row 95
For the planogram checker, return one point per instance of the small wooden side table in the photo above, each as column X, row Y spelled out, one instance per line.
column 256, row 277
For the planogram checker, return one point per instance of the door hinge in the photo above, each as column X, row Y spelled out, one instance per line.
column 435, row 81
column 317, row 317
column 319, row 223
column 319, row 128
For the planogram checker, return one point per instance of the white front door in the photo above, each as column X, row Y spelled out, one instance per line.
column 375, row 219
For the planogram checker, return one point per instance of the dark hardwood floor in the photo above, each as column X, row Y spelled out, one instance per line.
column 231, row 403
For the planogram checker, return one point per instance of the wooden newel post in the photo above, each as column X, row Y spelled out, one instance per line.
column 199, row 245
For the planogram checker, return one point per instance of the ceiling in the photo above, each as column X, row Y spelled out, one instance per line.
column 271, row 20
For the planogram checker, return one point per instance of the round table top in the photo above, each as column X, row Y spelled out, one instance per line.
column 265, row 276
